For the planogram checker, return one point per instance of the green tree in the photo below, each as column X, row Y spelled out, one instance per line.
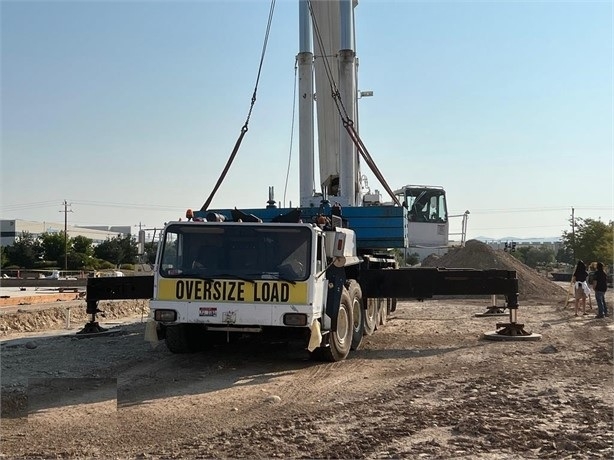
column 533, row 256
column 80, row 253
column 151, row 249
column 565, row 255
column 82, row 245
column 77, row 260
column 119, row 250
column 53, row 247
column 592, row 240
column 520, row 253
column 25, row 252
column 4, row 259
column 540, row 255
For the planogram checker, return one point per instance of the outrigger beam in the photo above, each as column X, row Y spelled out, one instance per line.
column 425, row 282
column 115, row 288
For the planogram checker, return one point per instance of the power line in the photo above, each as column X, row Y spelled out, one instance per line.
column 514, row 227
column 41, row 204
column 524, row 210
column 33, row 205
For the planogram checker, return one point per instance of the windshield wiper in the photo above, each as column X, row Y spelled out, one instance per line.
column 273, row 276
column 231, row 276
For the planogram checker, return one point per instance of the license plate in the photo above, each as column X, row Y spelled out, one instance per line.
column 208, row 311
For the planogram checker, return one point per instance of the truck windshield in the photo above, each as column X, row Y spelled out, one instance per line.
column 236, row 250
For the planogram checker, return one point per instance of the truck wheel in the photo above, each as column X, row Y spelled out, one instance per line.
column 358, row 313
column 185, row 338
column 370, row 316
column 177, row 340
column 383, row 311
column 340, row 340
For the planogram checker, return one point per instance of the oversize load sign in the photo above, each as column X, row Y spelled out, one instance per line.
column 232, row 291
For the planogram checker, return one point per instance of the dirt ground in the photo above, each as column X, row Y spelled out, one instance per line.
column 425, row 385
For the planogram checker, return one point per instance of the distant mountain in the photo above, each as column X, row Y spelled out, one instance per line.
column 545, row 239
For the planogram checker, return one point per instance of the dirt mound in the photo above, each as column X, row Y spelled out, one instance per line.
column 52, row 317
column 475, row 254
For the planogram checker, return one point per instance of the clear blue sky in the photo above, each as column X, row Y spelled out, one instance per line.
column 130, row 110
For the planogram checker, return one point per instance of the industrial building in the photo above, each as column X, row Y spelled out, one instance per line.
column 11, row 229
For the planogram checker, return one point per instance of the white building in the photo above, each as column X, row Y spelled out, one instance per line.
column 10, row 230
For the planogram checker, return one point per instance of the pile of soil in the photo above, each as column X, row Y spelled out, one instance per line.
column 478, row 255
column 52, row 317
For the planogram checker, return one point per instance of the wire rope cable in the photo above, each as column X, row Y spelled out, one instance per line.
column 348, row 123
column 291, row 129
column 244, row 129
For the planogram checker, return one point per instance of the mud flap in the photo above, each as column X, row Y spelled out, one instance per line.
column 151, row 333
column 316, row 336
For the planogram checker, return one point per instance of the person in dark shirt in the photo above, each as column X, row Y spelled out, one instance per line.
column 579, row 278
column 600, row 285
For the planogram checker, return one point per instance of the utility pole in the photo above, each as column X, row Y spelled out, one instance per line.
column 66, row 211
column 141, row 243
column 573, row 234
column 142, row 239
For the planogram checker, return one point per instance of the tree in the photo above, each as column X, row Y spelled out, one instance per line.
column 82, row 245
column 77, row 260
column 4, row 259
column 150, row 252
column 119, row 250
column 565, row 255
column 592, row 240
column 80, row 253
column 25, row 252
column 534, row 256
column 53, row 247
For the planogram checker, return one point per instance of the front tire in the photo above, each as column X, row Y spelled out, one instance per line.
column 340, row 341
column 185, row 338
column 176, row 339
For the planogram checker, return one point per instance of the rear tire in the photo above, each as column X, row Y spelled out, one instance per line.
column 340, row 341
column 370, row 316
column 358, row 312
column 383, row 312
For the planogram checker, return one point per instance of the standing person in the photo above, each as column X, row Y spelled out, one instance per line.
column 579, row 278
column 600, row 285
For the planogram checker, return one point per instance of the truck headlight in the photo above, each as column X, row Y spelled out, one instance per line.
column 295, row 319
column 165, row 316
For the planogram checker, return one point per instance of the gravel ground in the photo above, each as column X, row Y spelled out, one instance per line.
column 425, row 385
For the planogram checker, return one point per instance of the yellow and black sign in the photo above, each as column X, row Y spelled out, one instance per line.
column 232, row 291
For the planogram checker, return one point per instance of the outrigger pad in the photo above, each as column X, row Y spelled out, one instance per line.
column 92, row 328
column 293, row 216
column 240, row 216
column 511, row 332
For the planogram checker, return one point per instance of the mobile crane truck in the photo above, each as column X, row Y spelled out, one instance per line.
column 321, row 272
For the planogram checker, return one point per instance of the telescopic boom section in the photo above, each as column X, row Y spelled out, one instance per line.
column 334, row 67
column 305, row 106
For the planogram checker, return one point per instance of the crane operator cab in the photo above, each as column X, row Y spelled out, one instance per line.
column 425, row 205
column 427, row 214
